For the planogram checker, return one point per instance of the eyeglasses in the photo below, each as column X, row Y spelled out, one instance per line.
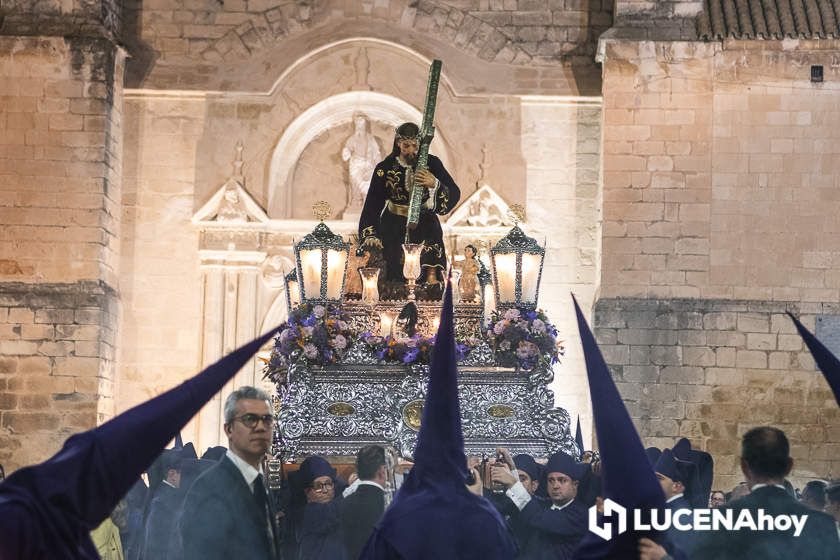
column 251, row 420
column 323, row 487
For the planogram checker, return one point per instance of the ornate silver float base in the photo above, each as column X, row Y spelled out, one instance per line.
column 333, row 411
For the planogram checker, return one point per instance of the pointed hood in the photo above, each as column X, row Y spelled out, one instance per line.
column 676, row 469
column 626, row 472
column 71, row 493
column 704, row 467
column 828, row 363
column 434, row 499
column 439, row 453
column 579, row 438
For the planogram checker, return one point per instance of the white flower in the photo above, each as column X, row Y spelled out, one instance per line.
column 499, row 327
column 511, row 314
column 319, row 311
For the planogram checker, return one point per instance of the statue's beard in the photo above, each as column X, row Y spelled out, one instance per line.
column 410, row 159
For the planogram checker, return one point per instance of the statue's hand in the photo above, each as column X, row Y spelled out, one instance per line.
column 373, row 242
column 425, row 178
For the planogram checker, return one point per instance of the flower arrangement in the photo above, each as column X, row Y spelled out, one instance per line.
column 316, row 333
column 416, row 349
column 523, row 338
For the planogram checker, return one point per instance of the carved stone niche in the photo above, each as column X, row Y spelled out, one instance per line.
column 307, row 163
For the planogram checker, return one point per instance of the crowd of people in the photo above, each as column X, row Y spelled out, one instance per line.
column 89, row 500
column 229, row 512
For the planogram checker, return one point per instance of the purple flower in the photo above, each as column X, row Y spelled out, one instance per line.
column 307, row 331
column 410, row 355
column 512, row 314
column 288, row 334
column 339, row 342
column 310, row 351
column 499, row 327
column 538, row 326
column 319, row 311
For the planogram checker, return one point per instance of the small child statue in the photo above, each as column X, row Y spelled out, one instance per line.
column 469, row 273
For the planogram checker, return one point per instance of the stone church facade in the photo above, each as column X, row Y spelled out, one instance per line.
column 158, row 158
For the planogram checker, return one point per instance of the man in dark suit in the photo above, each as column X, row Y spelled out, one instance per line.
column 678, row 479
column 557, row 524
column 765, row 461
column 364, row 506
column 164, row 508
column 227, row 513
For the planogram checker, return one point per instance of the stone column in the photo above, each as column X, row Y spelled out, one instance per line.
column 229, row 319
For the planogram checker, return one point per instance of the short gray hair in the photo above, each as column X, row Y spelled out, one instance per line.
column 245, row 392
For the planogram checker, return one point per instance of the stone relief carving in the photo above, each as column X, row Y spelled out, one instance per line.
column 483, row 208
column 232, row 203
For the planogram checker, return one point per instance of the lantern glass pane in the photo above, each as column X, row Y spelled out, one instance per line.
column 336, row 264
column 506, row 276
column 294, row 293
column 310, row 265
column 530, row 276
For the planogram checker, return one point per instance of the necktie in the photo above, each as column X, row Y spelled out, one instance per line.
column 259, row 494
column 260, row 497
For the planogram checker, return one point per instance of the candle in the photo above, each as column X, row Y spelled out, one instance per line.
column 489, row 304
column 370, row 288
column 435, row 325
column 386, row 322
column 456, row 285
column 530, row 275
column 310, row 264
column 506, row 277
column 411, row 264
column 336, row 263
column 294, row 293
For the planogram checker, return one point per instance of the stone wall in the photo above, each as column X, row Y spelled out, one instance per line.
column 709, row 370
column 656, row 19
column 60, row 158
column 506, row 31
column 719, row 215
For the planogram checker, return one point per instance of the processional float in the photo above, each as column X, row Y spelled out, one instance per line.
column 352, row 370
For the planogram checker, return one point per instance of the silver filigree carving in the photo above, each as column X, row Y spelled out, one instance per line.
column 379, row 395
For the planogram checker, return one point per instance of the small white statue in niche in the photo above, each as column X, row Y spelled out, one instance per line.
column 361, row 152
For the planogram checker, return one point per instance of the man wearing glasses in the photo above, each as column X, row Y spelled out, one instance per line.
column 227, row 513
column 320, row 536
